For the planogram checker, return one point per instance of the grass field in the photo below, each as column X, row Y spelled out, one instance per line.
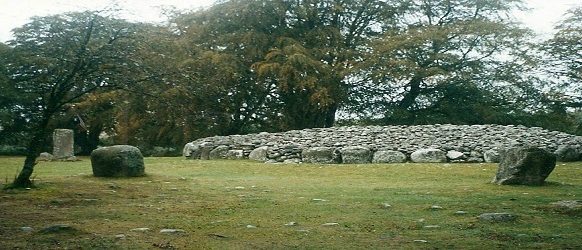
column 246, row 205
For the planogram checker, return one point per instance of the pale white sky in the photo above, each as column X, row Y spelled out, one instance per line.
column 14, row 13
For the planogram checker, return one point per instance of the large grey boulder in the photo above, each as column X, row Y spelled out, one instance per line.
column 191, row 150
column 428, row 155
column 524, row 166
column 356, row 155
column 259, row 154
column 388, row 156
column 325, row 155
column 117, row 161
column 567, row 153
column 220, row 152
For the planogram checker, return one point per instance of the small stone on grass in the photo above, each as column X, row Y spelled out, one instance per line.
column 497, row 217
column 171, row 231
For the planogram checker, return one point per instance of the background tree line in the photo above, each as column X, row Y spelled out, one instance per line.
column 245, row 66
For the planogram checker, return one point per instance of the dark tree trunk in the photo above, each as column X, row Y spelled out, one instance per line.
column 35, row 147
column 330, row 116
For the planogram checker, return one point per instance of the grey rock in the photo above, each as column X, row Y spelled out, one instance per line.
column 235, row 154
column 567, row 153
column 568, row 206
column 189, row 151
column 356, row 155
column 26, row 229
column 204, row 149
column 454, row 155
column 329, row 224
column 388, row 156
column 385, row 205
column 429, row 155
column 220, row 152
column 323, row 155
column 171, row 231
column 140, row 229
column 63, row 143
column 525, row 166
column 491, row 156
column 45, row 156
column 117, row 161
column 259, row 154
column 497, row 217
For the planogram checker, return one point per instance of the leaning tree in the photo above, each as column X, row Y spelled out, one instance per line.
column 57, row 60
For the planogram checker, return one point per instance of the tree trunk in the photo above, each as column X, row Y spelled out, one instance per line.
column 35, row 146
column 330, row 116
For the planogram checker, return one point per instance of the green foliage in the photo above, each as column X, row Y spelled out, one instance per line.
column 269, row 65
column 446, row 61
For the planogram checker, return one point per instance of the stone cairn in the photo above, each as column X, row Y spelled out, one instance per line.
column 385, row 144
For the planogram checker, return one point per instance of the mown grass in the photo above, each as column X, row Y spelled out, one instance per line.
column 214, row 202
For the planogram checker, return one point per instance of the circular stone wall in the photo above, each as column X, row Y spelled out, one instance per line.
column 460, row 143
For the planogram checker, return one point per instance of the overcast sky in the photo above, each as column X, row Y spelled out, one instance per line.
column 14, row 13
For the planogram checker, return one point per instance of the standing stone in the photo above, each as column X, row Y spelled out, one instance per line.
column 63, row 143
column 356, row 155
column 259, row 154
column 428, row 155
column 525, row 166
column 388, row 156
column 323, row 155
column 117, row 161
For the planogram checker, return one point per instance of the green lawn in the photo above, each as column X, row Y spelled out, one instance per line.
column 245, row 205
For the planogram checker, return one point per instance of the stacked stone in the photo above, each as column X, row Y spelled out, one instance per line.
column 458, row 143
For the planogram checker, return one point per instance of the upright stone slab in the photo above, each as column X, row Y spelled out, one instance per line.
column 259, row 154
column 388, row 156
column 117, row 161
column 63, row 143
column 356, row 155
column 324, row 155
column 525, row 166
column 428, row 155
